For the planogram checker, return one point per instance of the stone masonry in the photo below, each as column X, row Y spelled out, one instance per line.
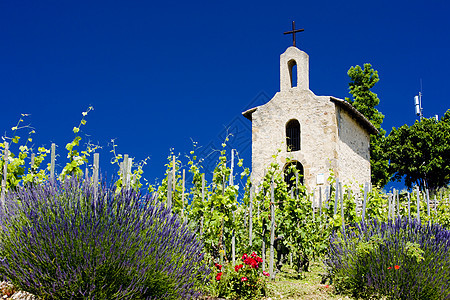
column 334, row 136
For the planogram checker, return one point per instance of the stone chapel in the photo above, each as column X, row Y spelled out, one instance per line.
column 319, row 134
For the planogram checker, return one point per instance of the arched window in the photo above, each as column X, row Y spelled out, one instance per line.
column 293, row 174
column 293, row 135
column 292, row 66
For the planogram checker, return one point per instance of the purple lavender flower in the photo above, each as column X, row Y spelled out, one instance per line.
column 398, row 259
column 56, row 244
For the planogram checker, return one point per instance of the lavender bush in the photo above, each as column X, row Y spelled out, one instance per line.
column 57, row 243
column 399, row 259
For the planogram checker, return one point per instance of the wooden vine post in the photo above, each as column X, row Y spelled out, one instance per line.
column 95, row 175
column 296, row 198
column 250, row 216
column 389, row 205
column 349, row 197
column 221, row 245
column 33, row 156
column 336, row 197
column 272, row 230
column 233, row 234
column 169, row 190
column 86, row 173
column 263, row 192
column 418, row 203
column 125, row 171
column 394, row 204
column 342, row 206
column 52, row 163
column 203, row 200
column 320, row 205
column 313, row 202
column 409, row 206
column 366, row 188
column 174, row 177
column 263, row 242
column 182, row 194
column 5, row 170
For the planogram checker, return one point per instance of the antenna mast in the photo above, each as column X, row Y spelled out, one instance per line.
column 418, row 103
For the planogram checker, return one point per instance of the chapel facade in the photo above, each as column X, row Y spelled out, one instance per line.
column 319, row 134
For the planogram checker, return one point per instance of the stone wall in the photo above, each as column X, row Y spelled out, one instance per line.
column 317, row 119
column 353, row 150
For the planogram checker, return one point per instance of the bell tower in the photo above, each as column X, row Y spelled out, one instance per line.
column 288, row 60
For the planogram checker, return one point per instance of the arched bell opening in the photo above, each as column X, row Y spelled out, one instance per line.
column 293, row 135
column 292, row 66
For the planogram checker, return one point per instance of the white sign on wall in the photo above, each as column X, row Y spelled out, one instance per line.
column 320, row 179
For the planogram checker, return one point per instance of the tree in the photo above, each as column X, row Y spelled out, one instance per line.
column 365, row 101
column 421, row 153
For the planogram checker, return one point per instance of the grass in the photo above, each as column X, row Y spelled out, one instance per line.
column 288, row 286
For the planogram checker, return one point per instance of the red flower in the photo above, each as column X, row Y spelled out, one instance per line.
column 327, row 286
column 244, row 279
column 236, row 268
column 244, row 257
column 251, row 262
column 218, row 266
column 266, row 273
column 396, row 267
column 259, row 259
column 389, row 268
column 218, row 276
column 254, row 254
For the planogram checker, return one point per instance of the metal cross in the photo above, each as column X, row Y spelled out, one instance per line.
column 293, row 32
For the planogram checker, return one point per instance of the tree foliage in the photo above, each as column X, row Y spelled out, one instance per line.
column 421, row 153
column 365, row 101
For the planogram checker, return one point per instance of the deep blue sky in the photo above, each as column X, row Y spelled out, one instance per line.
column 160, row 73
